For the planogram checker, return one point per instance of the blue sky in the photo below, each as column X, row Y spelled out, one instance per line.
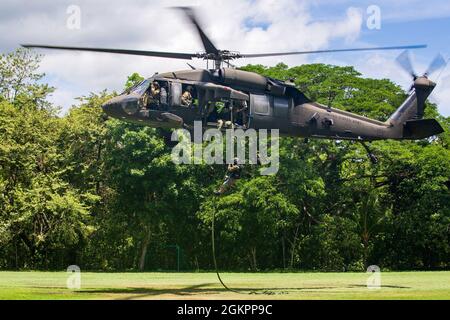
column 248, row 26
column 397, row 27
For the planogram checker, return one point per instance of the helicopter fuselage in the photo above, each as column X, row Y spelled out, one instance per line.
column 233, row 98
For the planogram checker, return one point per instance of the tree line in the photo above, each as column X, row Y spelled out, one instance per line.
column 105, row 195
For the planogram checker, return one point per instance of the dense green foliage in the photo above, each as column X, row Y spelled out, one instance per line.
column 105, row 195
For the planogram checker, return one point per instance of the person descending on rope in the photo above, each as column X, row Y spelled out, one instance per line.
column 233, row 174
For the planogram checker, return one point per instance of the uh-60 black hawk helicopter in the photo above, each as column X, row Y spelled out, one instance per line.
column 249, row 100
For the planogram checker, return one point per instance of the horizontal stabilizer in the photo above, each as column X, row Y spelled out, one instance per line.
column 420, row 129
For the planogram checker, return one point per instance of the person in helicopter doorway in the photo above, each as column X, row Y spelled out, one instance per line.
column 240, row 114
column 233, row 174
column 224, row 118
column 186, row 97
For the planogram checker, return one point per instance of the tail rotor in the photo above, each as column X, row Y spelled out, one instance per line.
column 437, row 64
column 404, row 61
column 422, row 85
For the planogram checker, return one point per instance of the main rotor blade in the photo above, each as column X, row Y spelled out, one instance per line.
column 404, row 61
column 173, row 55
column 438, row 63
column 207, row 43
column 258, row 55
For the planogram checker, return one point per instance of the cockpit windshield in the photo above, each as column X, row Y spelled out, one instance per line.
column 141, row 87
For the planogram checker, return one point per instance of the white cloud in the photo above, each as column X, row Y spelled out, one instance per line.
column 441, row 95
column 63, row 99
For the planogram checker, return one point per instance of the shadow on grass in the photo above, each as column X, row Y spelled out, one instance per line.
column 201, row 289
column 136, row 293
column 128, row 293
column 381, row 286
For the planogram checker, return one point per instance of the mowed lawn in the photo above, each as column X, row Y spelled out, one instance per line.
column 394, row 285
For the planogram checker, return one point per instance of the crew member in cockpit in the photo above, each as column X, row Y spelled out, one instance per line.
column 155, row 92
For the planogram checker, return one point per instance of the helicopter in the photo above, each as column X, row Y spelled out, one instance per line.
column 225, row 97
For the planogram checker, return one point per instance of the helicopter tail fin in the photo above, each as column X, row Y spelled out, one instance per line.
column 414, row 106
column 408, row 117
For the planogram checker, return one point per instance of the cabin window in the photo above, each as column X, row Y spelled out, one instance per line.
column 260, row 104
column 189, row 96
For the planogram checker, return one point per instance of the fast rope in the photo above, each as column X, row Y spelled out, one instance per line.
column 266, row 292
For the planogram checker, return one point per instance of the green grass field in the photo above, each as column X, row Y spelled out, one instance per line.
column 394, row 285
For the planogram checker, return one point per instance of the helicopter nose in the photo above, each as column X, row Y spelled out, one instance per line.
column 107, row 108
column 121, row 106
column 112, row 106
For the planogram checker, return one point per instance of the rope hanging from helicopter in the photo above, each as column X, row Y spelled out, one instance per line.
column 239, row 291
column 213, row 247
